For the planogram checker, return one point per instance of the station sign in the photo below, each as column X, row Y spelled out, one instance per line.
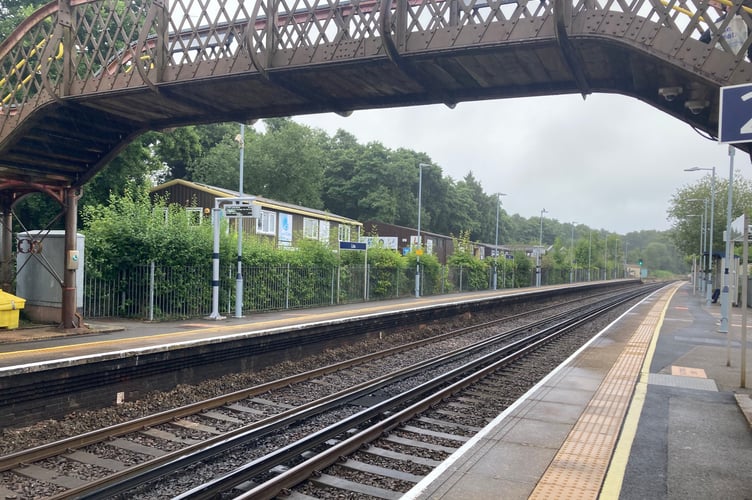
column 352, row 245
column 735, row 114
column 237, row 211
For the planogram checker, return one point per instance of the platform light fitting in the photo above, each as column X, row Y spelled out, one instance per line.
column 696, row 106
column 670, row 93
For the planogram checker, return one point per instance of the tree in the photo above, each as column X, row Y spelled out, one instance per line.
column 177, row 149
column 688, row 204
column 12, row 12
column 218, row 166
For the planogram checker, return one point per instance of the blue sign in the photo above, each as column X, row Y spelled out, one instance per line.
column 735, row 114
column 351, row 245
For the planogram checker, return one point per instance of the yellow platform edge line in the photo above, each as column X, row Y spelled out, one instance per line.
column 617, row 468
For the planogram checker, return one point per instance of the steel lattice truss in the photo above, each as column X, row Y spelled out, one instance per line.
column 80, row 78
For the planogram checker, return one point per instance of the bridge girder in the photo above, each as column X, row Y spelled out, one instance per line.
column 64, row 128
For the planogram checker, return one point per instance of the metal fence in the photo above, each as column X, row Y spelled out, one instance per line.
column 156, row 292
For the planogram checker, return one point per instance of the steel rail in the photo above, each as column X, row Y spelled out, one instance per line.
column 41, row 452
column 132, row 477
column 301, row 472
column 281, row 456
column 179, row 459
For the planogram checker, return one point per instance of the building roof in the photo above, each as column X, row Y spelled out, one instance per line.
column 220, row 192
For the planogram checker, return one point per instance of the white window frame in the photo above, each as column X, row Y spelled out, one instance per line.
column 324, row 231
column 343, row 232
column 267, row 223
column 196, row 215
column 310, row 228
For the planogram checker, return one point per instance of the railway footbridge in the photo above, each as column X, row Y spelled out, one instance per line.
column 79, row 79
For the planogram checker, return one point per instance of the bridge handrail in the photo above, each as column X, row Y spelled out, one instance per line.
column 55, row 53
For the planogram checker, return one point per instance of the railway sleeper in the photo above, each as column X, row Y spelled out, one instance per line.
column 359, row 466
column 452, row 425
column 419, row 444
column 404, row 457
column 327, row 481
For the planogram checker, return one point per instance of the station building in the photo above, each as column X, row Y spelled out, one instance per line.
column 283, row 223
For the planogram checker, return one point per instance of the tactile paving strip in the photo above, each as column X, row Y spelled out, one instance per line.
column 579, row 468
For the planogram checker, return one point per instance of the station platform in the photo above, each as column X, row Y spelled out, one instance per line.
column 651, row 408
column 648, row 409
column 48, row 345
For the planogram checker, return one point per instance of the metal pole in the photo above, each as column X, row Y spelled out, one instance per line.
column 589, row 250
column 539, row 252
column 420, row 242
column 709, row 284
column 239, row 276
column 725, row 299
column 215, row 265
column 745, row 278
column 496, row 243
column 365, row 276
column 616, row 259
column 702, row 237
column 69, row 299
column 151, row 291
column 571, row 257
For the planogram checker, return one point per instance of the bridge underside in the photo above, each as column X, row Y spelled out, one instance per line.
column 68, row 140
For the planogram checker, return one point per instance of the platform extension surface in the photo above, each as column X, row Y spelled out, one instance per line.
column 648, row 410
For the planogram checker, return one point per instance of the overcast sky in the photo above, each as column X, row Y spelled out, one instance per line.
column 610, row 162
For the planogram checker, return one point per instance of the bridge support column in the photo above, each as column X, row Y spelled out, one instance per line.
column 6, row 248
column 69, row 317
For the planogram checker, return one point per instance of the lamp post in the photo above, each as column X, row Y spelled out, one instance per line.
column 703, row 240
column 702, row 224
column 420, row 242
column 571, row 257
column 540, row 249
column 725, row 296
column 239, row 276
column 496, row 241
column 709, row 284
column 589, row 254
column 616, row 259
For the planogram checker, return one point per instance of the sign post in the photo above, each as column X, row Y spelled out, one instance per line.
column 740, row 233
column 240, row 208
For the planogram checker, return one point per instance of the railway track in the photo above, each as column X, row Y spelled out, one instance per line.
column 276, row 424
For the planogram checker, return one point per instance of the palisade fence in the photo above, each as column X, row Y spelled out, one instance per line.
column 156, row 292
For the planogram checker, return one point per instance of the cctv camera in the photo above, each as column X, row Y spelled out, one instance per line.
column 670, row 93
column 696, row 107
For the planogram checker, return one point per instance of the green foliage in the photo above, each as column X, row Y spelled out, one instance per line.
column 178, row 149
column 12, row 12
column 474, row 271
column 386, row 267
column 687, row 211
column 38, row 211
column 433, row 279
column 130, row 231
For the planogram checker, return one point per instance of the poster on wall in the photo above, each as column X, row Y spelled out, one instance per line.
column 380, row 241
column 285, row 227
